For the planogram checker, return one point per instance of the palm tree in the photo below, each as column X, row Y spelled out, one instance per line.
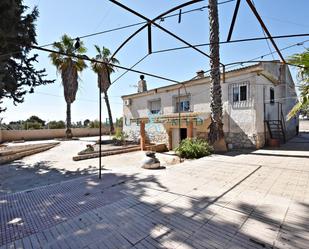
column 301, row 60
column 216, row 125
column 104, row 71
column 69, row 67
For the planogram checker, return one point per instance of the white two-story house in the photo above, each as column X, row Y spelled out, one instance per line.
column 256, row 100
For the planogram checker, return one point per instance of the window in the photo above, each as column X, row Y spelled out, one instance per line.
column 155, row 106
column 243, row 93
column 272, row 95
column 235, row 94
column 240, row 93
column 183, row 104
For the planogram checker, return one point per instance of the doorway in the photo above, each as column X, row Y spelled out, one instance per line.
column 177, row 136
column 183, row 134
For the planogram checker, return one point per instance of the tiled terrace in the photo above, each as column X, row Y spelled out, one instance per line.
column 254, row 200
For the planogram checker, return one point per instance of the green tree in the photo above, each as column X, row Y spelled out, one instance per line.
column 301, row 60
column 216, row 125
column 94, row 124
column 86, row 122
column 36, row 119
column 69, row 67
column 17, row 34
column 56, row 125
column 103, row 72
column 32, row 126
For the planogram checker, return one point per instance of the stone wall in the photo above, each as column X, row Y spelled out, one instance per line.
column 155, row 133
column 245, row 141
column 132, row 131
column 14, row 135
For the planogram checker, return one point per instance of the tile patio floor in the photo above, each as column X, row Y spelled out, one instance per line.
column 255, row 200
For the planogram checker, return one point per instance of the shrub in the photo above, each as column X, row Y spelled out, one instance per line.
column 193, row 148
column 119, row 137
column 56, row 125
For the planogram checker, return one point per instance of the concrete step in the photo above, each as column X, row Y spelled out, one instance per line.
column 12, row 154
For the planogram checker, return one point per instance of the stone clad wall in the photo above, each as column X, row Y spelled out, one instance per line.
column 155, row 133
column 245, row 141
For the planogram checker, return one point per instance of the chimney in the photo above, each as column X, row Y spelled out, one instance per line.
column 200, row 74
column 142, row 86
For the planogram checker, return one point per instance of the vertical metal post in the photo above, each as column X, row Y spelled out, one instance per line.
column 100, row 130
column 149, row 39
column 179, row 125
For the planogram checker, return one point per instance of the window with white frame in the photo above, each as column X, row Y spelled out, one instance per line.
column 183, row 103
column 155, row 106
column 240, row 92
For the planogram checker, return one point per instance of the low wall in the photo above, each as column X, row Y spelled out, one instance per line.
column 14, row 135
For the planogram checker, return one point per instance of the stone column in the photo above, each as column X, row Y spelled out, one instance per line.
column 142, row 135
column 190, row 129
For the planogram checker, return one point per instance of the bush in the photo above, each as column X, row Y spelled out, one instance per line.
column 119, row 137
column 193, row 148
column 56, row 125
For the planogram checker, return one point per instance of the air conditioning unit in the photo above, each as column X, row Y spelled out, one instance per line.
column 127, row 102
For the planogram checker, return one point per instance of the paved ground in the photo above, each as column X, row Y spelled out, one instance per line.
column 258, row 199
column 56, row 165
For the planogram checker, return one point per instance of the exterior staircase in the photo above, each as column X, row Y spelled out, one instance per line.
column 276, row 130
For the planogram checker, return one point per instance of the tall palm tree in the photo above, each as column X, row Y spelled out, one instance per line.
column 104, row 71
column 216, row 125
column 69, row 67
column 301, row 60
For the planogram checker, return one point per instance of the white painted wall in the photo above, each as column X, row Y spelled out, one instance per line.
column 247, row 117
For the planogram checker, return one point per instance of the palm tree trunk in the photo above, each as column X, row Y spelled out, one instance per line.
column 111, row 125
column 216, row 125
column 68, row 131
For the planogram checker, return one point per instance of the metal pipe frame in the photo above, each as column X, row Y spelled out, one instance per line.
column 149, row 22
column 233, row 21
column 265, row 29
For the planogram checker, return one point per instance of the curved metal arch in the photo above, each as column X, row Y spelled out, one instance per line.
column 149, row 22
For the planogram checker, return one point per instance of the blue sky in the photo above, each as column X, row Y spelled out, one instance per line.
column 79, row 17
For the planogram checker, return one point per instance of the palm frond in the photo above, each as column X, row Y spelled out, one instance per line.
column 294, row 111
column 302, row 60
column 80, row 65
column 106, row 52
column 68, row 43
column 82, row 49
column 98, row 49
column 115, row 61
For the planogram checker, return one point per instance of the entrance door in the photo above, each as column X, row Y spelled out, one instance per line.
column 178, row 136
column 183, row 133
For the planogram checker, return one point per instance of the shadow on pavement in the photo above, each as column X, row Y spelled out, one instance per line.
column 18, row 176
column 124, row 211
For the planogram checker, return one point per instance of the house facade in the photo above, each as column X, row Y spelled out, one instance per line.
column 256, row 100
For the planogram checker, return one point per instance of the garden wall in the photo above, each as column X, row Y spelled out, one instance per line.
column 15, row 135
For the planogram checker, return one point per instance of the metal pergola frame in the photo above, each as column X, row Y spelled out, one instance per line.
column 149, row 30
column 260, row 20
